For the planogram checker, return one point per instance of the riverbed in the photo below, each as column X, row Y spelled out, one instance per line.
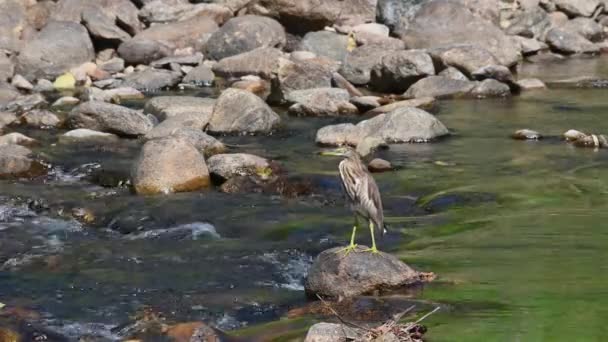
column 513, row 229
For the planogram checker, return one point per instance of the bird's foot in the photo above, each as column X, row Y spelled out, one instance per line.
column 347, row 250
column 372, row 250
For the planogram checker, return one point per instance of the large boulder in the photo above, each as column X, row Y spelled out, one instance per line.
column 458, row 25
column 577, row 8
column 17, row 161
column 101, row 25
column 160, row 40
column 152, row 79
column 262, row 62
column 440, row 87
column 300, row 75
column 358, row 63
column 325, row 43
column 7, row 67
column 143, row 51
column 111, row 118
column 187, row 127
column 396, row 14
column 169, row 165
column 58, row 47
column 530, row 23
column 239, row 111
column 585, row 27
column 466, row 58
column 321, row 102
column 402, row 125
column 301, row 16
column 399, row 69
column 165, row 107
column 569, row 42
column 123, row 12
column 245, row 33
column 226, row 166
column 12, row 22
column 335, row 275
column 166, row 12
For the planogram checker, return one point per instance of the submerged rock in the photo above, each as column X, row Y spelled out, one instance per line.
column 573, row 134
column 321, row 102
column 225, row 166
column 17, row 161
column 379, row 165
column 17, row 139
column 169, row 165
column 526, row 134
column 165, row 107
column 110, row 118
column 335, row 275
column 87, row 134
column 239, row 111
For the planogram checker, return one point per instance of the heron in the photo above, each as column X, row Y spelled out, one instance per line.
column 362, row 193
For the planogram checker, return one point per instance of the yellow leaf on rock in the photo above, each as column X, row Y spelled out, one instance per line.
column 352, row 43
column 65, row 81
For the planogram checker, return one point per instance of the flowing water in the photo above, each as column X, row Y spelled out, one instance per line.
column 514, row 230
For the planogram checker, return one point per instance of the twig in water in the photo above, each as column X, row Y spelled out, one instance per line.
column 427, row 315
column 342, row 320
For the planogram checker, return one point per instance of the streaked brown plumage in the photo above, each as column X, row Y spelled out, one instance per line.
column 362, row 192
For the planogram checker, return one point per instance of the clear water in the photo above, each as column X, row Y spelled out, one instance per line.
column 515, row 230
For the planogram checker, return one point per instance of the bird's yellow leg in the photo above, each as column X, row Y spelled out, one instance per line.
column 371, row 230
column 352, row 246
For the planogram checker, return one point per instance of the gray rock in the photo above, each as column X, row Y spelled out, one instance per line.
column 396, row 14
column 7, row 94
column 530, row 46
column 531, row 23
column 193, row 59
column 187, row 127
column 109, row 118
column 526, row 134
column 491, row 88
column 399, row 69
column 262, row 62
column 193, row 32
column 530, row 83
column 58, row 47
column 358, row 64
column 201, row 75
column 325, row 43
column 239, row 111
column 17, row 139
column 12, row 22
column 464, row 57
column 245, row 33
column 25, row 103
column 569, row 43
column 365, row 103
column 577, row 8
column 301, row 16
column 124, row 12
column 331, row 332
column 585, row 27
column 152, row 79
column 17, row 161
column 143, row 51
column 115, row 95
column 165, row 107
column 255, row 85
column 404, row 124
column 81, row 134
column 498, row 72
column 426, row 103
column 334, row 275
column 300, row 75
column 321, row 102
column 7, row 118
column 7, row 67
column 164, row 12
column 453, row 73
column 169, row 165
column 43, row 85
column 379, row 165
column 458, row 26
column 101, row 25
column 228, row 165
column 440, row 87
column 113, row 65
column 40, row 118
column 20, row 82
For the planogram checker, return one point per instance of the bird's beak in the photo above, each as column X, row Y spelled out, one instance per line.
column 332, row 153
